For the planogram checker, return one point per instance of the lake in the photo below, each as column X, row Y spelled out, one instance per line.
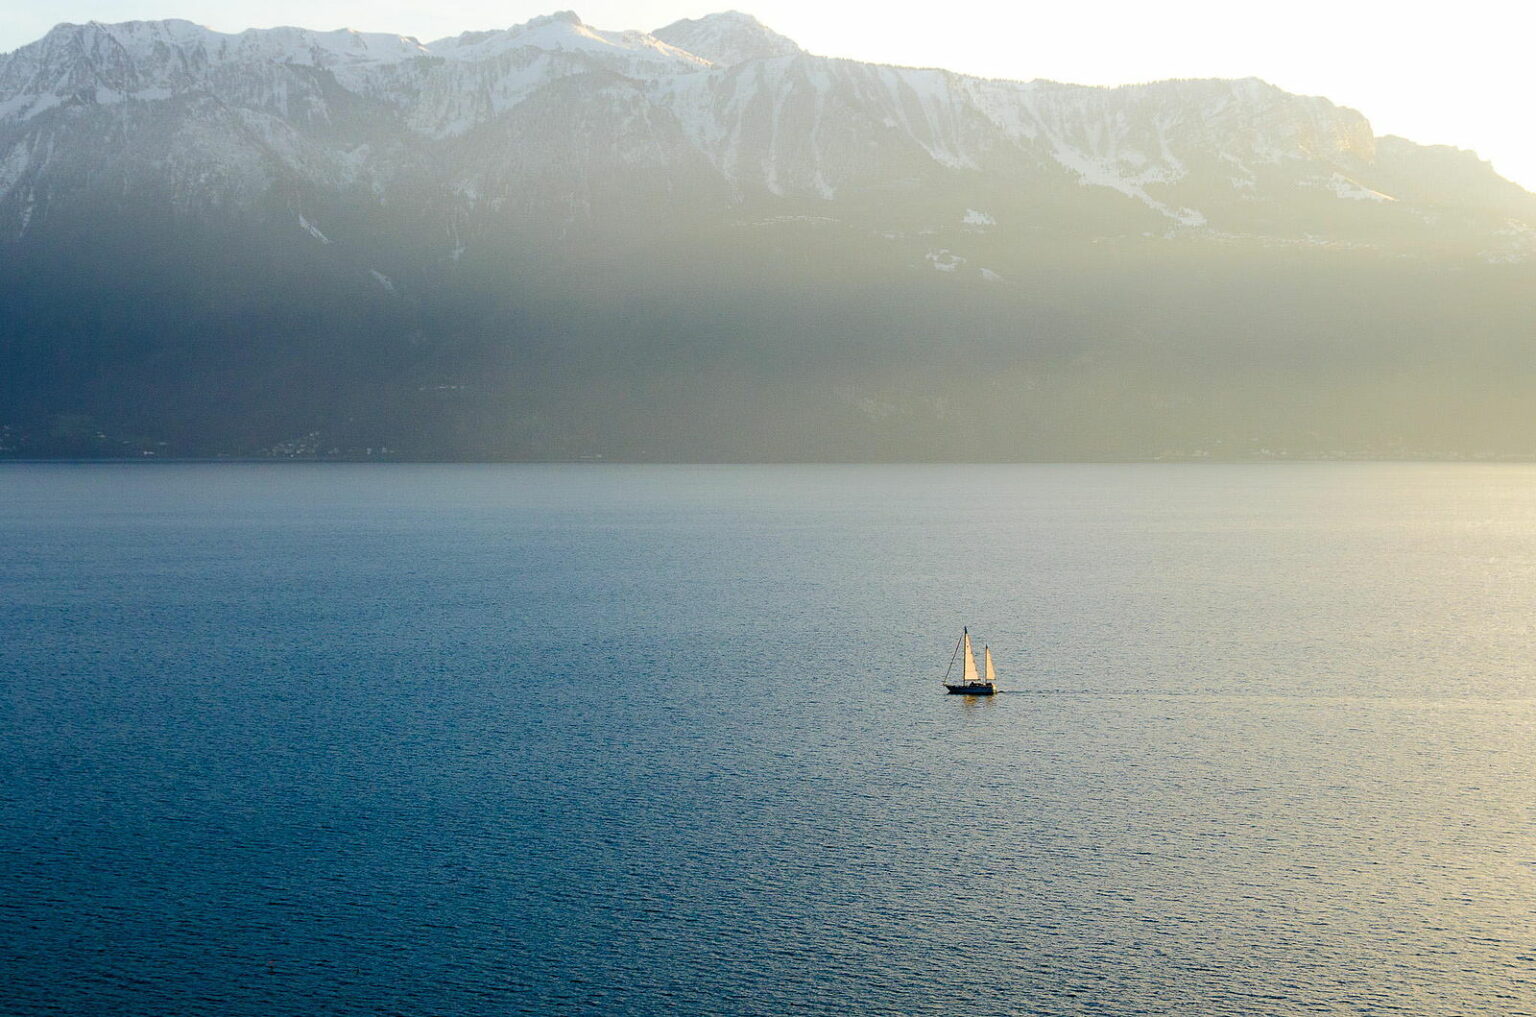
column 312, row 739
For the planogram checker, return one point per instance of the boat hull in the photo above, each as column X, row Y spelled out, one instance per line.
column 971, row 689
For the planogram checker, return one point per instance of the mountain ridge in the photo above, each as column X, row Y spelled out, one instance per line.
column 434, row 95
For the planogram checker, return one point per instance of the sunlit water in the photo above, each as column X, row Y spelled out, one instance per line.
column 462, row 740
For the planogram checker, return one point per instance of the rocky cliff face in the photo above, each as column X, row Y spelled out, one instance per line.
column 557, row 200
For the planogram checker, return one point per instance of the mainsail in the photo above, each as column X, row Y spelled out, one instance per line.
column 991, row 674
column 970, row 660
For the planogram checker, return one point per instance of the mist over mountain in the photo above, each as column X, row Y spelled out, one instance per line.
column 555, row 241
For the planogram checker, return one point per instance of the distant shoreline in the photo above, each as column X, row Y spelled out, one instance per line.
column 375, row 461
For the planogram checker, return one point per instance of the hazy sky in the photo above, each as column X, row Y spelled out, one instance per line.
column 1439, row 74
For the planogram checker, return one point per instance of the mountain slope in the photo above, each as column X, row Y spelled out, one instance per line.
column 553, row 241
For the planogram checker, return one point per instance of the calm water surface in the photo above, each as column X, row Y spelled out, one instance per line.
column 462, row 740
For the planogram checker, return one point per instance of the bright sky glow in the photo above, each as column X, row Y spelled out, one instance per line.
column 1438, row 75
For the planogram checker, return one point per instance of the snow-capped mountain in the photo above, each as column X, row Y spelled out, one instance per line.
column 768, row 118
column 309, row 181
column 727, row 39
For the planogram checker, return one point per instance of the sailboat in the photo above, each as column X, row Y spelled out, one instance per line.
column 971, row 682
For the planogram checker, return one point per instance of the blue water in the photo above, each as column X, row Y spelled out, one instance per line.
column 325, row 739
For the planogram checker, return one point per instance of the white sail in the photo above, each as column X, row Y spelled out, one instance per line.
column 970, row 660
column 991, row 672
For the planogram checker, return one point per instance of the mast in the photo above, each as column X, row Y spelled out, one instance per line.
column 970, row 674
column 991, row 673
column 952, row 657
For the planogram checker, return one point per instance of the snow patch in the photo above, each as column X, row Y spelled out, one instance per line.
column 13, row 166
column 779, row 220
column 1355, row 191
column 383, row 280
column 945, row 260
column 1097, row 172
column 1248, row 181
column 25, row 107
column 1516, row 243
column 990, row 276
column 313, row 230
column 976, row 218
